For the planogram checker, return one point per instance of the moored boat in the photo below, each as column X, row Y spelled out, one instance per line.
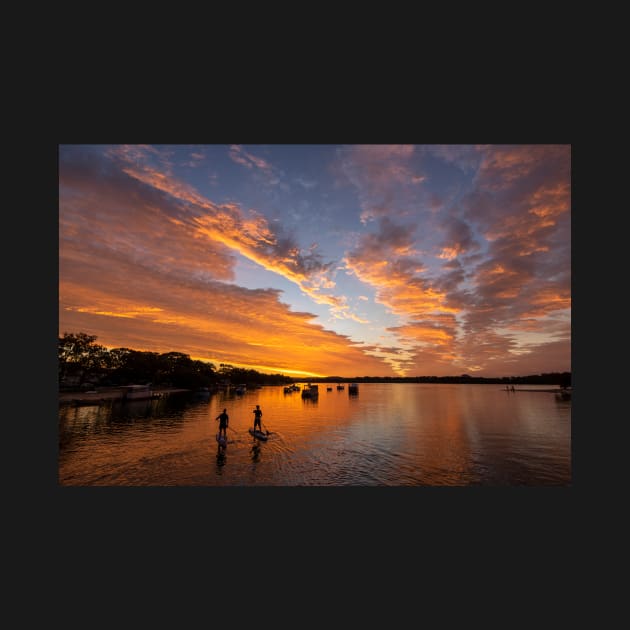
column 310, row 391
column 136, row 392
column 564, row 393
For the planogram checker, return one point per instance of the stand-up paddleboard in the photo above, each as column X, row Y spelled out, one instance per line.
column 222, row 440
column 258, row 434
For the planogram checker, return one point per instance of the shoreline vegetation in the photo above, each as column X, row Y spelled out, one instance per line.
column 87, row 368
column 552, row 378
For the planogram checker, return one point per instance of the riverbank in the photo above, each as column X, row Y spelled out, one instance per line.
column 104, row 394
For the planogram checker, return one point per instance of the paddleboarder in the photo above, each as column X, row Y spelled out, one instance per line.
column 257, row 418
column 223, row 419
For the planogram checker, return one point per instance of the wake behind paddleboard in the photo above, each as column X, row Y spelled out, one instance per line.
column 258, row 434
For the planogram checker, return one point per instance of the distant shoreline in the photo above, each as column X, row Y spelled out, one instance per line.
column 558, row 379
column 105, row 394
column 111, row 393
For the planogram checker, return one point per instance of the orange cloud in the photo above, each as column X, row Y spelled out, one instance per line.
column 425, row 334
column 520, row 205
column 397, row 287
column 547, row 301
column 240, row 156
column 228, row 324
column 251, row 236
column 380, row 260
column 148, row 268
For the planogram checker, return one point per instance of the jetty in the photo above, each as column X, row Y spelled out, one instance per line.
column 561, row 393
column 114, row 394
column 556, row 390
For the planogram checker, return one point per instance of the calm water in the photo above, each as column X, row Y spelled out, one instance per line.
column 393, row 434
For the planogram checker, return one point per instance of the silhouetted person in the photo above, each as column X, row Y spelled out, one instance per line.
column 257, row 418
column 223, row 419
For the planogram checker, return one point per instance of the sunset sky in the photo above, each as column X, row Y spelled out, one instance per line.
column 313, row 260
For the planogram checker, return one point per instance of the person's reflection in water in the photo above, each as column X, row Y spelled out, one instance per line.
column 221, row 455
column 255, row 451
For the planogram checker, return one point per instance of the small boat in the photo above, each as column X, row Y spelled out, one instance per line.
column 240, row 389
column 340, row 387
column 310, row 391
column 202, row 392
column 329, row 389
column 564, row 393
column 137, row 392
column 353, row 388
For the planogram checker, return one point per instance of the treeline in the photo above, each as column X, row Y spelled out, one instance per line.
column 84, row 363
column 562, row 379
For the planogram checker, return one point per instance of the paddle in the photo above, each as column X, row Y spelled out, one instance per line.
column 233, row 441
column 235, row 431
column 264, row 425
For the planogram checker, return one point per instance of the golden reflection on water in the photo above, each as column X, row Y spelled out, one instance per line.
column 389, row 434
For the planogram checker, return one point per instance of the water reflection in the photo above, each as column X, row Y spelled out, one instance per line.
column 255, row 451
column 221, row 455
column 392, row 434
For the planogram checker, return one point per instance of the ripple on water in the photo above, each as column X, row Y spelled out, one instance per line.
column 391, row 434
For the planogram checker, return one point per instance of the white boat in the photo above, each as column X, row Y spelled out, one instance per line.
column 137, row 392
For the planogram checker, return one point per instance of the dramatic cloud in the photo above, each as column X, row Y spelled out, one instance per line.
column 249, row 233
column 381, row 174
column 220, row 323
column 423, row 259
column 506, row 247
column 131, row 226
column 148, row 266
column 385, row 259
column 459, row 240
